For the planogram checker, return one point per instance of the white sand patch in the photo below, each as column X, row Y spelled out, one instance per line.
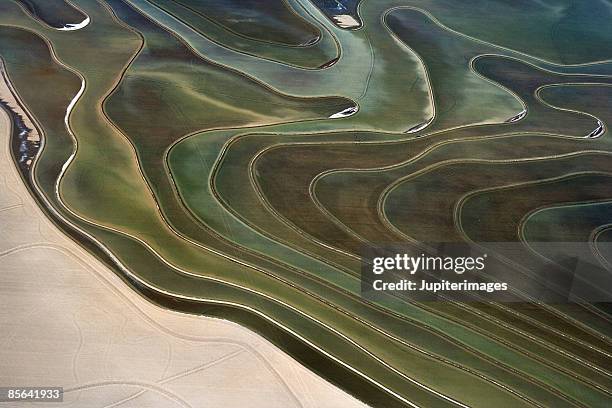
column 346, row 21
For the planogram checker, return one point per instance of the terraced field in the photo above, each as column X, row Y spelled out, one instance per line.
column 233, row 158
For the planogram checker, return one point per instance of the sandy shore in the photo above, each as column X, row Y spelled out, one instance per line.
column 69, row 321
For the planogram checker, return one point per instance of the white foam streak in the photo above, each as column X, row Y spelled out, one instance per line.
column 345, row 113
column 69, row 130
column 518, row 117
column 74, row 27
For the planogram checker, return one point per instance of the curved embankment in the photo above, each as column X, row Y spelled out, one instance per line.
column 59, row 14
column 312, row 47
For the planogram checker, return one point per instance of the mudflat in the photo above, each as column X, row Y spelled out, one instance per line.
column 69, row 321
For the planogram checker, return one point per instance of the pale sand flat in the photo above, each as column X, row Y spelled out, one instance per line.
column 67, row 320
column 346, row 21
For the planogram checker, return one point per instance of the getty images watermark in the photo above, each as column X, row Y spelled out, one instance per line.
column 423, row 264
column 504, row 272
